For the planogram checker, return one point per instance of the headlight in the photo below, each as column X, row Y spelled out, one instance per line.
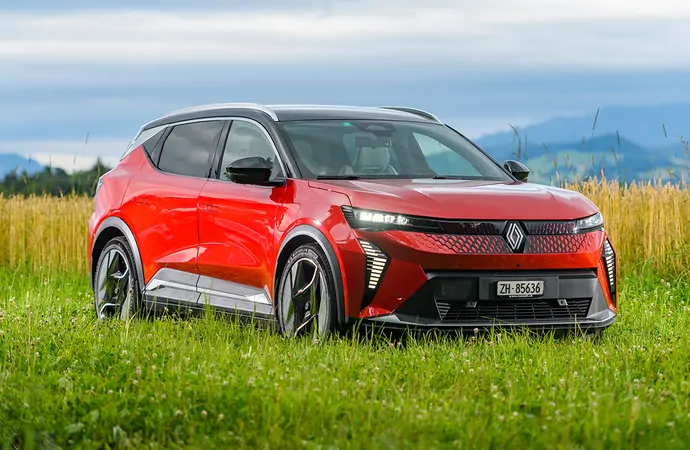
column 377, row 220
column 590, row 223
column 369, row 220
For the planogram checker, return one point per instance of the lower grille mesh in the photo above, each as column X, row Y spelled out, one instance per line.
column 515, row 310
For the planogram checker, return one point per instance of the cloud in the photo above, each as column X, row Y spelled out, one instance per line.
column 364, row 36
column 107, row 67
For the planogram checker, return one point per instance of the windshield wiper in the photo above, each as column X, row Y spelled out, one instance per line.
column 338, row 177
column 449, row 177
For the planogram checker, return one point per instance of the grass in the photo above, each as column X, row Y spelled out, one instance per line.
column 68, row 380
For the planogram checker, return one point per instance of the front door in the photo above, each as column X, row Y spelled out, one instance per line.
column 236, row 226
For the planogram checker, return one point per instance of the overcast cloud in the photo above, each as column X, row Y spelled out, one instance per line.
column 104, row 67
column 549, row 34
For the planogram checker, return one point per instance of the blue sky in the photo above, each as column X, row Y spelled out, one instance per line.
column 105, row 67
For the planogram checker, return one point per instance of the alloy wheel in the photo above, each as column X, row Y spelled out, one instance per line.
column 114, row 286
column 304, row 302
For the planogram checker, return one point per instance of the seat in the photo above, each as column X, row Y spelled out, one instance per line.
column 373, row 160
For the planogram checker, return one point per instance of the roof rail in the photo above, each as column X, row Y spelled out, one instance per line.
column 418, row 112
column 254, row 106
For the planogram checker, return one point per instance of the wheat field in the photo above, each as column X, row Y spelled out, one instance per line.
column 649, row 224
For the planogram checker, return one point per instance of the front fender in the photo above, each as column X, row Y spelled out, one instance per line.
column 328, row 247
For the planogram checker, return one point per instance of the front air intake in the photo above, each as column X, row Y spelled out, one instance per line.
column 609, row 258
column 377, row 261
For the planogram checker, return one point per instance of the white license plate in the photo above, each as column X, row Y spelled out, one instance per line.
column 520, row 288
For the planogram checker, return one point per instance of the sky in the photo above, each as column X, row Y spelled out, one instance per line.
column 103, row 68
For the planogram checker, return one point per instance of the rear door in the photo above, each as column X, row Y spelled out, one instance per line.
column 162, row 208
column 236, row 226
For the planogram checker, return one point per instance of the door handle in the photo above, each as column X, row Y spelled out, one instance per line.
column 211, row 209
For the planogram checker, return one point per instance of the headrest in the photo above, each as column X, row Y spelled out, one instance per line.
column 373, row 158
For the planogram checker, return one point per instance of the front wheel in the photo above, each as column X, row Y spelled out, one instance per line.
column 116, row 286
column 306, row 299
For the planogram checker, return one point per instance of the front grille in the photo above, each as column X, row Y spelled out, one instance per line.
column 497, row 245
column 572, row 243
column 455, row 243
column 513, row 310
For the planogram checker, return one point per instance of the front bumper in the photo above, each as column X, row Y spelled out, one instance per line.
column 572, row 300
column 449, row 281
column 405, row 323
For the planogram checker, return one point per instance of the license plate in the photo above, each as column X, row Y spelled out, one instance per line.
column 520, row 288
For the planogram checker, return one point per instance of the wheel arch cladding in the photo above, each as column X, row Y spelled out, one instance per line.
column 306, row 234
column 110, row 228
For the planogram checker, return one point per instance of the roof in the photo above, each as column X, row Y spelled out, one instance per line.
column 285, row 113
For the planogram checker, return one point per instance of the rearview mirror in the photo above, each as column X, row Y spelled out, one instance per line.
column 252, row 170
column 517, row 169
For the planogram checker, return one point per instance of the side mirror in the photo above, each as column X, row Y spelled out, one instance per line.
column 252, row 170
column 517, row 169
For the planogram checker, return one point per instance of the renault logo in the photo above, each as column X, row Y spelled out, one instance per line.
column 515, row 236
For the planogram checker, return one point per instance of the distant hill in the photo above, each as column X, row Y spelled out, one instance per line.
column 629, row 143
column 614, row 156
column 10, row 162
column 647, row 126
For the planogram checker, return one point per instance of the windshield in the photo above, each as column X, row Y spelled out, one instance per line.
column 382, row 149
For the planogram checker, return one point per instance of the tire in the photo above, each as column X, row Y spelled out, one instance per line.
column 116, row 282
column 308, row 274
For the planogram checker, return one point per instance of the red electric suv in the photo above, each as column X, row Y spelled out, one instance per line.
column 317, row 217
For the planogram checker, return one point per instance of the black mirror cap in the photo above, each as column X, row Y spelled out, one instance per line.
column 517, row 169
column 252, row 170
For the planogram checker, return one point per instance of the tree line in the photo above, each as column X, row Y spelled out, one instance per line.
column 53, row 181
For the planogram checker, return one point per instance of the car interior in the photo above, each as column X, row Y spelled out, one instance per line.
column 356, row 154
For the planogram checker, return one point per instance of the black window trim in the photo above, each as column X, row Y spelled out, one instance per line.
column 220, row 148
column 280, row 148
column 161, row 142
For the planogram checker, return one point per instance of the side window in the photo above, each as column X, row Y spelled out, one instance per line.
column 442, row 159
column 150, row 136
column 248, row 140
column 150, row 146
column 188, row 149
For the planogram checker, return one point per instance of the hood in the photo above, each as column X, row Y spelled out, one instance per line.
column 461, row 199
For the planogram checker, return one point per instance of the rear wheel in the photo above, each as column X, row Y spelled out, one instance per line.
column 116, row 285
column 306, row 299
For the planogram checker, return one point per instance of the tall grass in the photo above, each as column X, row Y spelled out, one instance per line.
column 44, row 233
column 649, row 224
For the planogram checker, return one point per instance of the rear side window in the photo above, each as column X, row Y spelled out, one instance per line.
column 189, row 148
column 147, row 138
column 150, row 146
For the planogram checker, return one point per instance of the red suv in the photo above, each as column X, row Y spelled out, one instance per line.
column 316, row 217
